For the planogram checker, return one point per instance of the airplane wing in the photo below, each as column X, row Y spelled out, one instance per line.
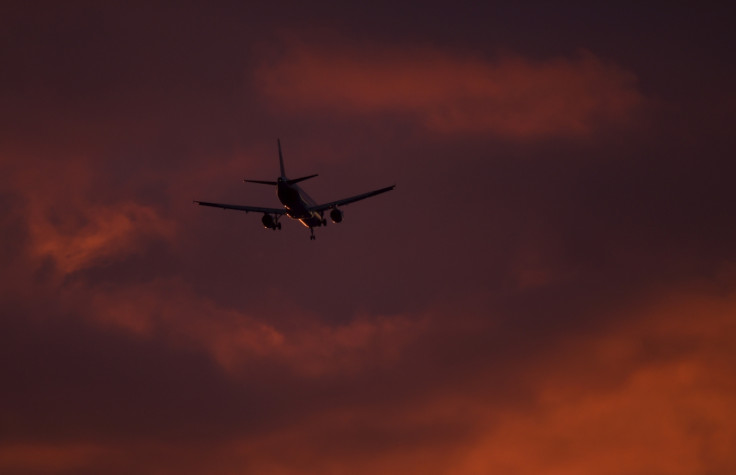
column 352, row 199
column 247, row 209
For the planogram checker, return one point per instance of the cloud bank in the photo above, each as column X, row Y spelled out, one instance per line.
column 509, row 96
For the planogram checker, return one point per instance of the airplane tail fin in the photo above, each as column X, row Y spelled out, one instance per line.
column 281, row 165
column 281, row 159
column 283, row 173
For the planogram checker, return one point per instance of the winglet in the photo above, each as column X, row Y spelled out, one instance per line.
column 281, row 159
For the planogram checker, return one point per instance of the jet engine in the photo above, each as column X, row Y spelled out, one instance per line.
column 336, row 215
column 269, row 222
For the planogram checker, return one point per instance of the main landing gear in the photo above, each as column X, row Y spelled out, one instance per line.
column 311, row 234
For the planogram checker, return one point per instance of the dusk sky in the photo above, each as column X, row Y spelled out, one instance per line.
column 550, row 289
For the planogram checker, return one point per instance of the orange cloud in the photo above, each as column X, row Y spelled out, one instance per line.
column 651, row 395
column 70, row 223
column 651, row 392
column 104, row 233
column 234, row 338
column 511, row 96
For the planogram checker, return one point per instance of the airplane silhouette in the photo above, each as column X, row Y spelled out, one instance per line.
column 296, row 203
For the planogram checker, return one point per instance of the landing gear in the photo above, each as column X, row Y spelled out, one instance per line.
column 311, row 235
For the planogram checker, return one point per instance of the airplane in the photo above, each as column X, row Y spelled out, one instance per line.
column 296, row 203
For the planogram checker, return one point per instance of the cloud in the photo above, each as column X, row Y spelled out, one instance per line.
column 104, row 233
column 71, row 221
column 644, row 388
column 510, row 96
column 236, row 339
column 651, row 394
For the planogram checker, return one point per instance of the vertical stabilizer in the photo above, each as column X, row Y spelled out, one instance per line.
column 281, row 159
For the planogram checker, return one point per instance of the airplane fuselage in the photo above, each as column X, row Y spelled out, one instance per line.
column 297, row 204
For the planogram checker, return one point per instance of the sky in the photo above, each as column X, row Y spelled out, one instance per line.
column 550, row 289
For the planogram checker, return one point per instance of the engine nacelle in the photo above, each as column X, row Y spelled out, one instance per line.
column 336, row 215
column 269, row 222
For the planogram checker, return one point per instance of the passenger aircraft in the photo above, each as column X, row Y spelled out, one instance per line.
column 297, row 204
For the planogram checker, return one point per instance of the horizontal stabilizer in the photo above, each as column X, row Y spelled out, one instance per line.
column 262, row 182
column 297, row 180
